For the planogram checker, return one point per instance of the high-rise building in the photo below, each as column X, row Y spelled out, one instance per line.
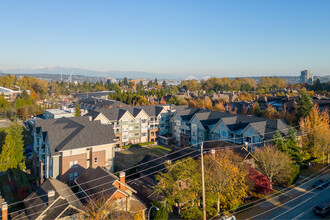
column 306, row 76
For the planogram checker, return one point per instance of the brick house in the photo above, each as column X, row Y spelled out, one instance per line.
column 98, row 182
column 65, row 147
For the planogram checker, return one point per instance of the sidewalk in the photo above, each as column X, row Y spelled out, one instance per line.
column 287, row 195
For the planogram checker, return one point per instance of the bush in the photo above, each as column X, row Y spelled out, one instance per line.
column 162, row 213
column 137, row 145
column 294, row 174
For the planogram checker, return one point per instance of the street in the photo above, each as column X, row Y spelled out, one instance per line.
column 298, row 208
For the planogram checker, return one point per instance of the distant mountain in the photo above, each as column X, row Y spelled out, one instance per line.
column 93, row 73
column 191, row 78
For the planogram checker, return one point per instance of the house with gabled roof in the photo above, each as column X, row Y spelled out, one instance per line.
column 52, row 200
column 245, row 128
column 95, row 183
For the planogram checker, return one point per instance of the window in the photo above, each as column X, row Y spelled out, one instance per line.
column 95, row 160
column 144, row 121
column 75, row 164
column 75, row 175
column 71, row 164
column 137, row 134
column 71, row 176
column 131, row 128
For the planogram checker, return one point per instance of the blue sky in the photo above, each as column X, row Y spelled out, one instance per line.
column 218, row 37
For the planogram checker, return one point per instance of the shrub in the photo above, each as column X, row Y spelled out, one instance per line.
column 161, row 214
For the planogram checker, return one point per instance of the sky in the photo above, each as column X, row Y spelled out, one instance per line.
column 222, row 38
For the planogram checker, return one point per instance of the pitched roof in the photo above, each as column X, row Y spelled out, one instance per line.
column 98, row 181
column 37, row 202
column 73, row 133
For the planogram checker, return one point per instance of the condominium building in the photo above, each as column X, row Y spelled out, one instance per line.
column 132, row 125
column 192, row 126
column 65, row 147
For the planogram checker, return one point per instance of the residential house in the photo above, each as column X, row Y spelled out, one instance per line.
column 52, row 200
column 98, row 183
column 65, row 147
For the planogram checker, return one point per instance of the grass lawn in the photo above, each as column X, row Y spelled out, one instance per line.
column 130, row 157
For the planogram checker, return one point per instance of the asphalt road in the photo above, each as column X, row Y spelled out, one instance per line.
column 298, row 208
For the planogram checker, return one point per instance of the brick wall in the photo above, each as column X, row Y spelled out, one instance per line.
column 65, row 165
column 100, row 155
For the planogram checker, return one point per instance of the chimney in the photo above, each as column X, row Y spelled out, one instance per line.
column 122, row 180
column 122, row 177
column 4, row 209
column 51, row 196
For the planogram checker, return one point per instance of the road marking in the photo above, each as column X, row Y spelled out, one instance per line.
column 298, row 216
column 298, row 204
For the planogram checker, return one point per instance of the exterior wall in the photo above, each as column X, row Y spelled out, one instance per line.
column 65, row 165
column 56, row 167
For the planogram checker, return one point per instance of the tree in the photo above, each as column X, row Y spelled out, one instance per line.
column 256, row 109
column 270, row 113
column 11, row 156
column 304, row 105
column 315, row 131
column 226, row 179
column 77, row 110
column 219, row 107
column 4, row 104
column 273, row 163
column 161, row 214
column 182, row 184
column 260, row 184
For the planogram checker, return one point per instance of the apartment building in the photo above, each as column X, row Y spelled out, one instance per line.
column 9, row 94
column 191, row 126
column 132, row 125
column 65, row 147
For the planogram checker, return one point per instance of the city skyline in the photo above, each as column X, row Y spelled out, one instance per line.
column 220, row 38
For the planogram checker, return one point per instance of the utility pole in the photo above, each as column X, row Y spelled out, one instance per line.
column 203, row 183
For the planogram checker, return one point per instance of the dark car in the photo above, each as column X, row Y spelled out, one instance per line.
column 322, row 209
column 321, row 184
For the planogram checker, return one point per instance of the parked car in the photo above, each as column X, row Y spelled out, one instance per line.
column 322, row 209
column 321, row 184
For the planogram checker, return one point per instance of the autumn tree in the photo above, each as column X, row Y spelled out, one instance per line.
column 270, row 113
column 4, row 104
column 208, row 103
column 276, row 165
column 259, row 184
column 182, row 184
column 315, row 131
column 219, row 107
column 11, row 156
column 226, row 179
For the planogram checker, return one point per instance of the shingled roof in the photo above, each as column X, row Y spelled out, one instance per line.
column 37, row 202
column 74, row 133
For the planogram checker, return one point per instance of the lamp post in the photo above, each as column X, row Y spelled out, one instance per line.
column 150, row 210
column 323, row 158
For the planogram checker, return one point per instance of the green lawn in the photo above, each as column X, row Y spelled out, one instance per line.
column 130, row 157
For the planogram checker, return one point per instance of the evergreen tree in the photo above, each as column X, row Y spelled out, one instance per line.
column 11, row 156
column 304, row 105
column 77, row 111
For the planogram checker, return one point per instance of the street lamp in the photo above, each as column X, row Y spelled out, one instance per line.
column 323, row 157
column 150, row 210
